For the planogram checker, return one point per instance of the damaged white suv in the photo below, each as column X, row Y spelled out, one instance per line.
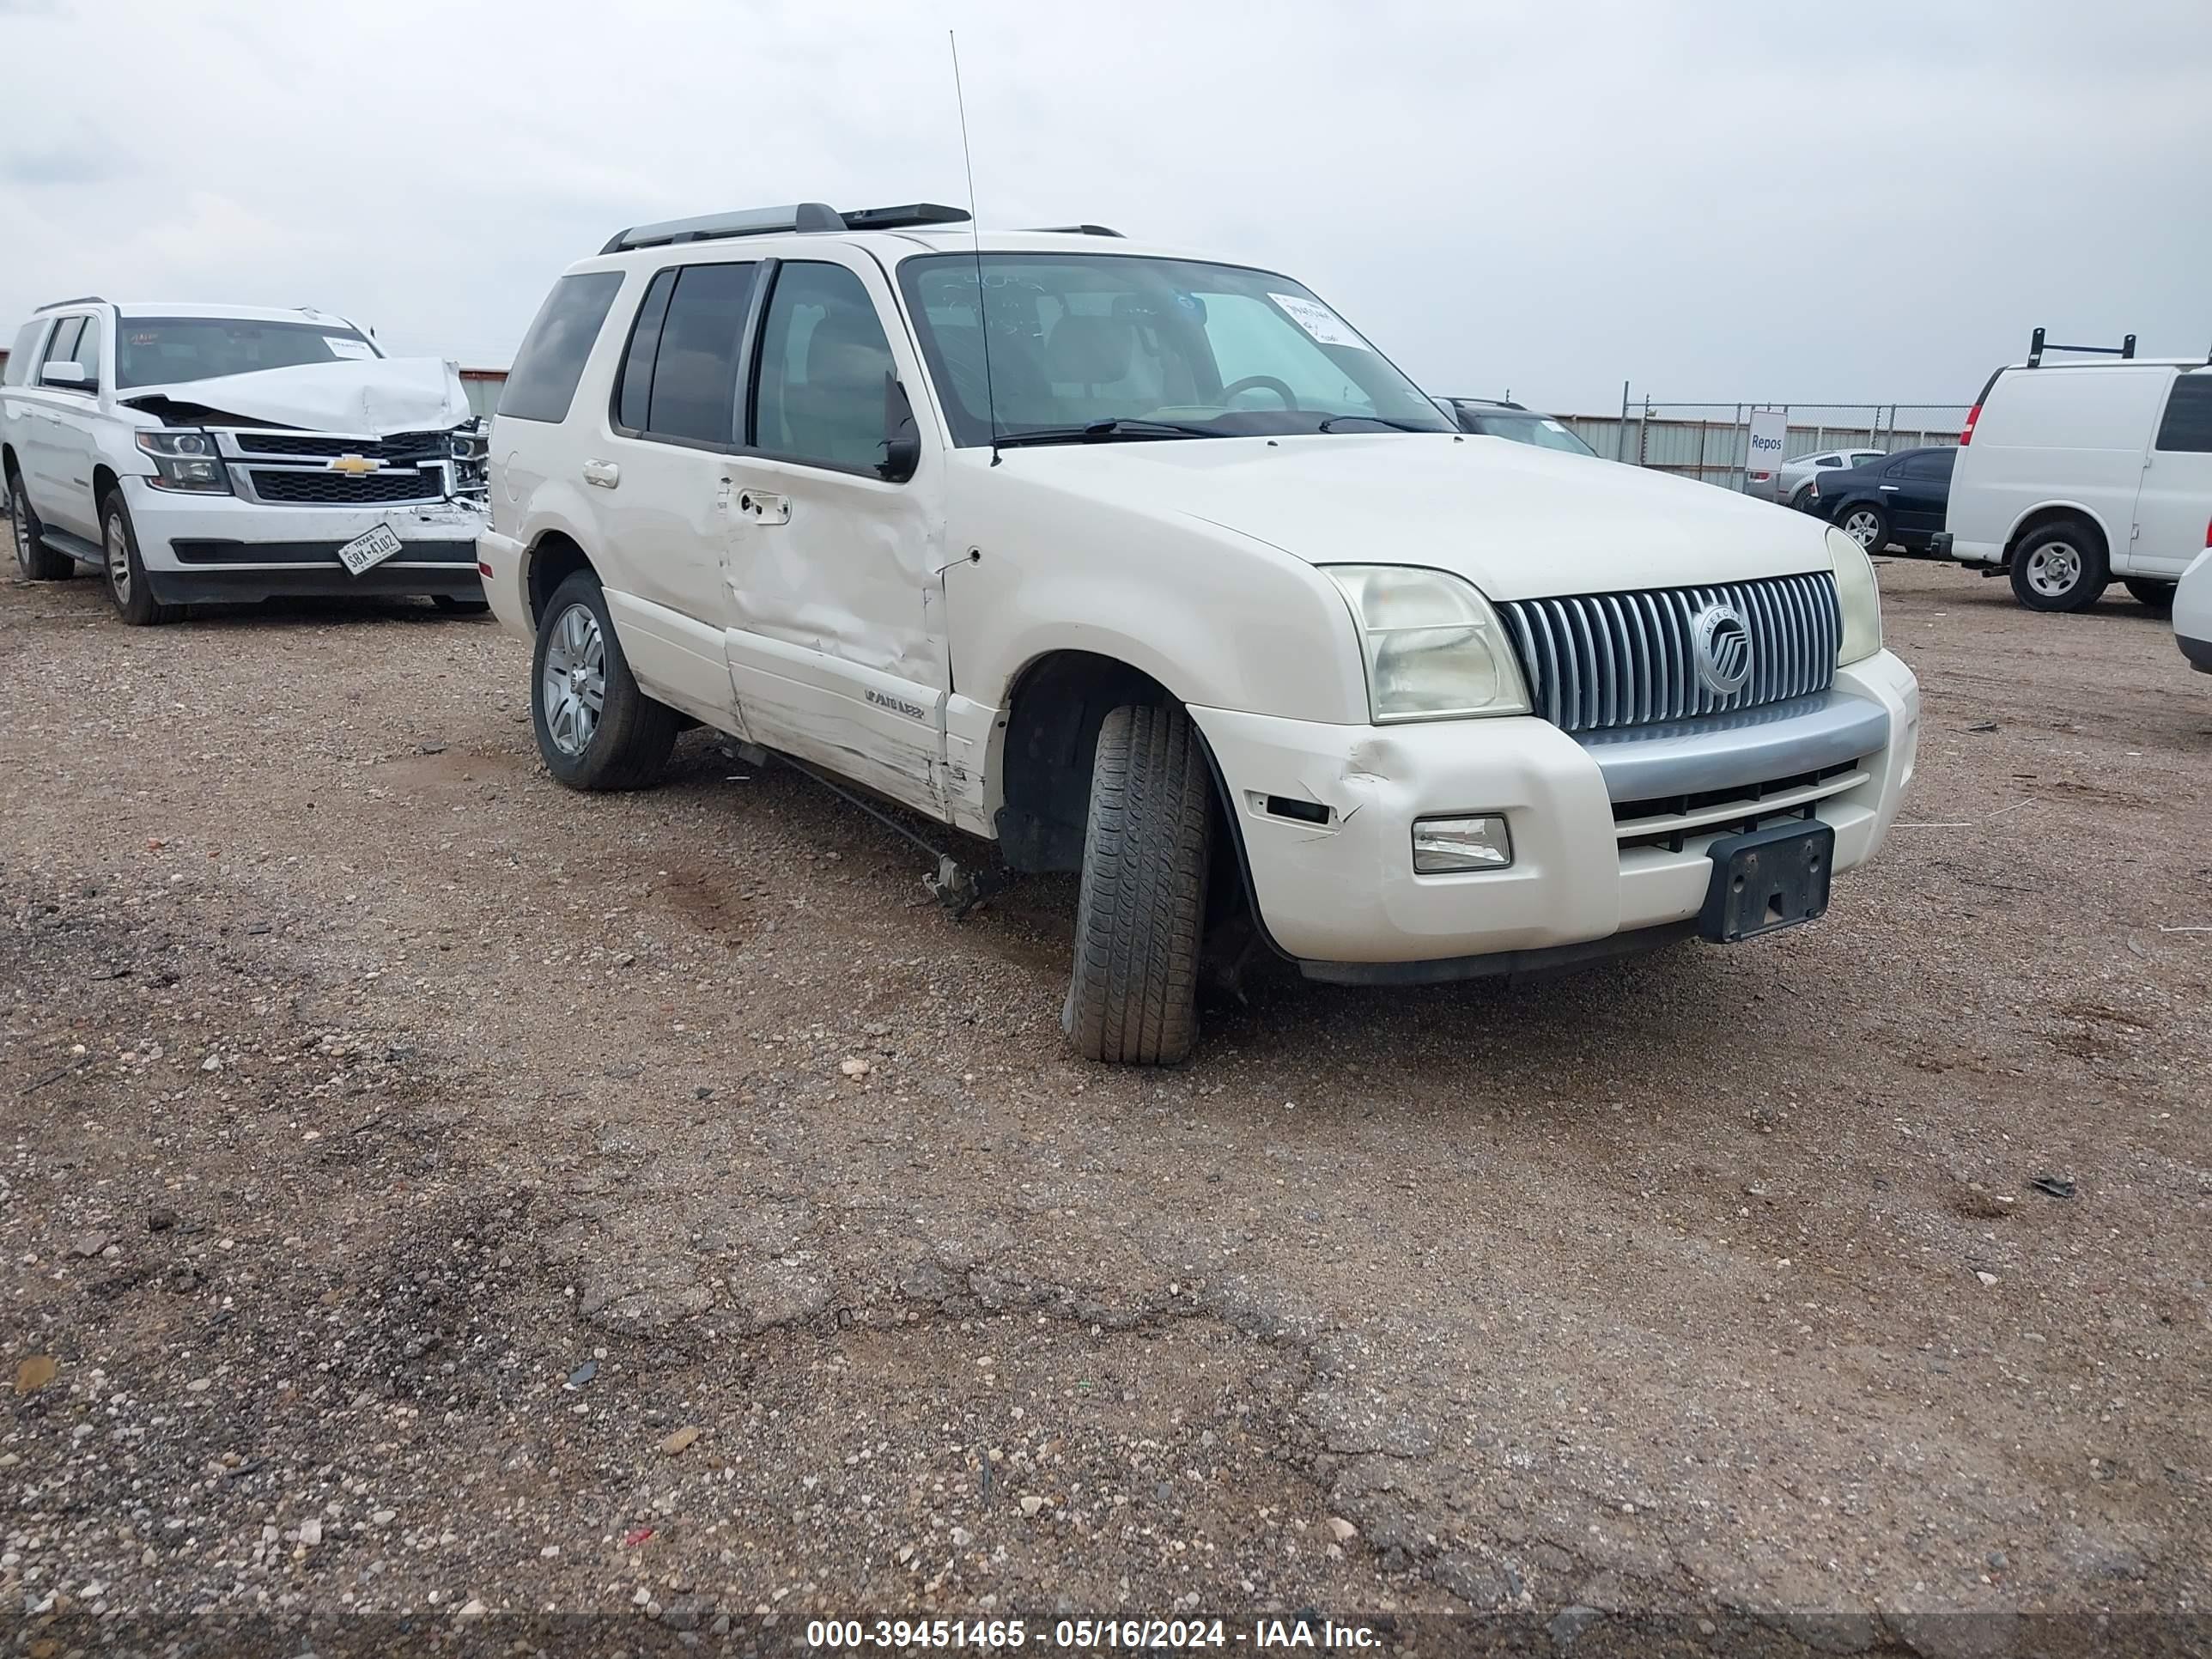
column 1152, row 567
column 225, row 453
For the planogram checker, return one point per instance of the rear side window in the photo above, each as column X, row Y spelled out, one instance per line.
column 2187, row 426
column 695, row 370
column 21, row 358
column 1935, row 465
column 542, row 381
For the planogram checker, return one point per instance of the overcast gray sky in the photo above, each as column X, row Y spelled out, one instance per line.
column 1712, row 199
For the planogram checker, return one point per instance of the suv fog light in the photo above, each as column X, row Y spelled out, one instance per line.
column 1443, row 846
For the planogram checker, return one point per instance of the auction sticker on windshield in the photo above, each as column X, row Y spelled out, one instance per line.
column 1318, row 320
column 341, row 347
column 365, row 552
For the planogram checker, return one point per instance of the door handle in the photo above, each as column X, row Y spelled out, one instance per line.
column 605, row 474
column 761, row 508
column 1892, row 486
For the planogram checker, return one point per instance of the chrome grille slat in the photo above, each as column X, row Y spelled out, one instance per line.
column 1598, row 661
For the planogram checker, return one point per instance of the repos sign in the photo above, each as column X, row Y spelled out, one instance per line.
column 1770, row 437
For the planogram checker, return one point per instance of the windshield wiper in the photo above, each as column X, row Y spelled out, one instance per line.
column 1104, row 432
column 1378, row 420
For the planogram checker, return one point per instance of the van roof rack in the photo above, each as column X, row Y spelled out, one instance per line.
column 1077, row 230
column 800, row 216
column 81, row 299
column 2037, row 346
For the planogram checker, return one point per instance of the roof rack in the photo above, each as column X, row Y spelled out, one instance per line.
column 81, row 299
column 800, row 216
column 1077, row 230
column 2037, row 346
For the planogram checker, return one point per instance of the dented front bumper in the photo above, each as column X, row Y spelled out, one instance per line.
column 1342, row 890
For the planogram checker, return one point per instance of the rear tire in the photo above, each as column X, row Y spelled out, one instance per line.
column 125, row 571
column 1804, row 501
column 596, row 728
column 1140, row 914
column 1865, row 523
column 2060, row 566
column 36, row 560
column 2159, row 596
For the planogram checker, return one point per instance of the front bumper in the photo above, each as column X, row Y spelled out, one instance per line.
column 220, row 549
column 1591, row 863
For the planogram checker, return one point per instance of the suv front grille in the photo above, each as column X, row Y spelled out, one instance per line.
column 1595, row 661
column 304, row 487
column 398, row 447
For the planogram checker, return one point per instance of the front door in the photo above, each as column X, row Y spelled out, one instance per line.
column 2174, row 514
column 837, row 644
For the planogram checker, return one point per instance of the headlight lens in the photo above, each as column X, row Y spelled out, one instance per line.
column 185, row 460
column 1859, row 597
column 1433, row 647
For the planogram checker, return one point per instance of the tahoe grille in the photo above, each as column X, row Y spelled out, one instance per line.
column 400, row 447
column 303, row 487
column 1595, row 661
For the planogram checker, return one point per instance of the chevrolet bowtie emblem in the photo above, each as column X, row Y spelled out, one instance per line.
column 355, row 466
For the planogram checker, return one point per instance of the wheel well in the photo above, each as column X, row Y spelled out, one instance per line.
column 1051, row 737
column 2047, row 515
column 552, row 561
column 6, row 459
column 103, row 480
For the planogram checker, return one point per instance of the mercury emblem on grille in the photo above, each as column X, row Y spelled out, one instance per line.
column 1722, row 643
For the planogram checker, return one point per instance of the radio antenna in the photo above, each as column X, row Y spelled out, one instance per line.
column 976, row 232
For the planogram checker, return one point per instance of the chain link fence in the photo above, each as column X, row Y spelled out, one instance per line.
column 1712, row 442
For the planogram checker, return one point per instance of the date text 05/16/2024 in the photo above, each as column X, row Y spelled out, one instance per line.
column 1098, row 1635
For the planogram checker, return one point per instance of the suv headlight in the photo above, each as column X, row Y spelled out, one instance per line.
column 185, row 460
column 1434, row 648
column 1858, row 597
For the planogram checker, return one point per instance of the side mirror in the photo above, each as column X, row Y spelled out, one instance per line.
column 68, row 377
column 901, row 444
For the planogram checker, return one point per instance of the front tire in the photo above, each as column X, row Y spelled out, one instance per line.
column 1140, row 912
column 125, row 571
column 36, row 560
column 1865, row 523
column 2159, row 596
column 596, row 728
column 2060, row 566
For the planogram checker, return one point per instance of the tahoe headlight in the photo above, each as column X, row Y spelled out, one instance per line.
column 1858, row 597
column 185, row 460
column 1434, row 648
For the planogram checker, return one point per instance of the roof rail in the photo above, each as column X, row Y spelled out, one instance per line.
column 2037, row 346
column 1077, row 230
column 800, row 216
column 81, row 299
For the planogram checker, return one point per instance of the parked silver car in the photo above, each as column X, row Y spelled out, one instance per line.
column 1794, row 484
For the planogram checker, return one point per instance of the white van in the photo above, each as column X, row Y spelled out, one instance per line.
column 2071, row 474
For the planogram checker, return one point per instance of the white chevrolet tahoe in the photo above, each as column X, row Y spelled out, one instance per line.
column 1152, row 568
column 224, row 452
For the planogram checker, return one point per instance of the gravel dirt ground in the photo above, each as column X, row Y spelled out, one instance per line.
column 430, row 1194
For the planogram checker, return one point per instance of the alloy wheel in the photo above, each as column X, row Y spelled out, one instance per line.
column 575, row 684
column 118, row 559
column 1861, row 527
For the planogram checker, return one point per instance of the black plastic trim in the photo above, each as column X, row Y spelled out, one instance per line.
column 1501, row 964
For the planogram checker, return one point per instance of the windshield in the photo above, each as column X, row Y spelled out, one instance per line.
column 1541, row 431
column 163, row 351
column 1204, row 351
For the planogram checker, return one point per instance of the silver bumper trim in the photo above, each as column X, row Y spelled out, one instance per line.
column 1724, row 751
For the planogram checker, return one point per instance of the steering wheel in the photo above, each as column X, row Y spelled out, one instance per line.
column 1266, row 382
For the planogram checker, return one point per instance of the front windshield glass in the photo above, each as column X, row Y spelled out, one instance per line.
column 1541, row 431
column 1083, row 340
column 164, row 350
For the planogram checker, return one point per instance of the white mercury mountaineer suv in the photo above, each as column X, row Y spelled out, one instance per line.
column 1152, row 568
column 225, row 452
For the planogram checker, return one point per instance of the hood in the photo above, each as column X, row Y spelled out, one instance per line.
column 371, row 397
column 1518, row 521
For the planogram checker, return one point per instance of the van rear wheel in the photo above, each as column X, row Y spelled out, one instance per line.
column 1140, row 912
column 2060, row 566
column 2159, row 596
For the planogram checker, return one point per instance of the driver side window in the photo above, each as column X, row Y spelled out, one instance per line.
column 1251, row 338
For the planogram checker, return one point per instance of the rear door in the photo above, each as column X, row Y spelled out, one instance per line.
column 2174, row 514
column 1923, row 481
column 45, row 477
column 837, row 642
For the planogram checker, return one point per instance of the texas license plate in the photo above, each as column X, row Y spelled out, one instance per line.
column 365, row 552
column 1767, row 879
